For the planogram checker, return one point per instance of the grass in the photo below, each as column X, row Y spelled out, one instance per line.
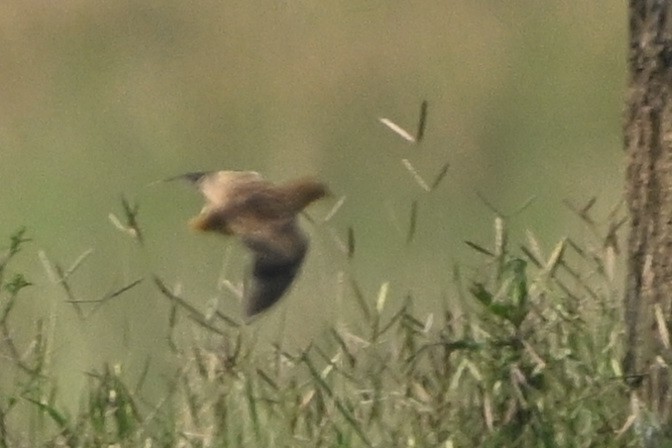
column 526, row 354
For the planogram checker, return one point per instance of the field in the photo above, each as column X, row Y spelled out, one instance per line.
column 460, row 291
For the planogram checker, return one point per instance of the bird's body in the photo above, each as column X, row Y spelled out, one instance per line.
column 264, row 217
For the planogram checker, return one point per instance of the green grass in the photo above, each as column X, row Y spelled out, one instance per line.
column 525, row 354
column 103, row 98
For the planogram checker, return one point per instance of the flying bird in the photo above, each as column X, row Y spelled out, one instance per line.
column 264, row 216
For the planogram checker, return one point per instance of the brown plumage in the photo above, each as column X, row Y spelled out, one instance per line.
column 264, row 217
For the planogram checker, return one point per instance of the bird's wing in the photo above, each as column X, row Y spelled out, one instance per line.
column 278, row 252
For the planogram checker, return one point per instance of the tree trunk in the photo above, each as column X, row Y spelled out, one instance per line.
column 648, row 141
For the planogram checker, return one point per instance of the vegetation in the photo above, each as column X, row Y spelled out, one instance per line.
column 526, row 354
column 104, row 98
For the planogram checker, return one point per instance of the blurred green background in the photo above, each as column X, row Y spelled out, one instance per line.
column 102, row 98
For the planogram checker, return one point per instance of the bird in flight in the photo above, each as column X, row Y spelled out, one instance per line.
column 264, row 216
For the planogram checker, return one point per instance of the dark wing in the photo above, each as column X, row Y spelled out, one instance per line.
column 278, row 254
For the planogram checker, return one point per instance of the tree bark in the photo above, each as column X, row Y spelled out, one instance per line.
column 648, row 142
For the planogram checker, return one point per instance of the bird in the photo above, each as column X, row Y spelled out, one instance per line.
column 264, row 216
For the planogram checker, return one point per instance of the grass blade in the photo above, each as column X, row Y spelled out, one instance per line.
column 422, row 121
